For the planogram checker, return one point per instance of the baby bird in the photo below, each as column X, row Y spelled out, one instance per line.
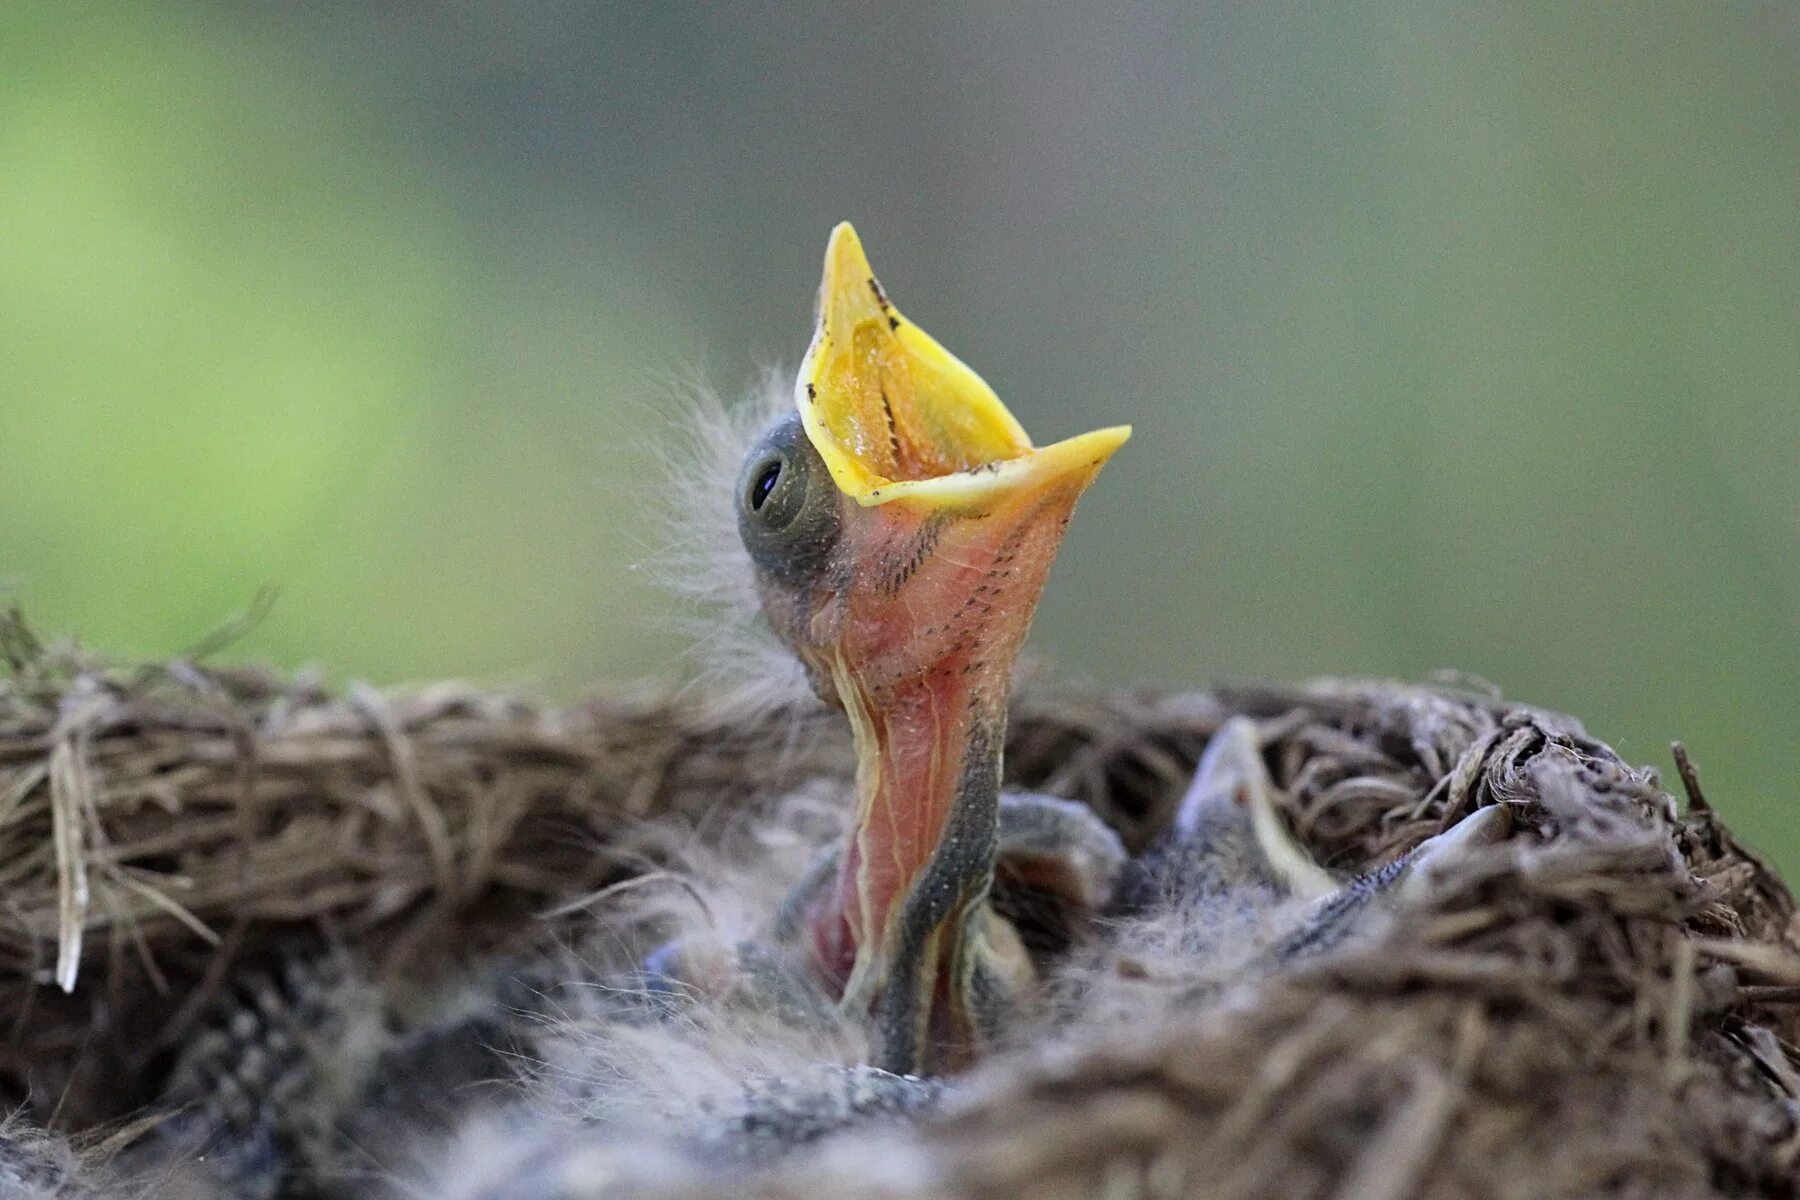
column 1228, row 896
column 901, row 525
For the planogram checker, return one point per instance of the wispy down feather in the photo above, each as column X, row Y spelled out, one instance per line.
column 696, row 555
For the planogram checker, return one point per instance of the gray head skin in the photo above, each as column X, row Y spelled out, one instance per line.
column 1230, row 896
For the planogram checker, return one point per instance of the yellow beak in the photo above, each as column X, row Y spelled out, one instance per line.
column 893, row 414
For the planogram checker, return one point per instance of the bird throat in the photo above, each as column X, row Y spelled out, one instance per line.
column 919, row 856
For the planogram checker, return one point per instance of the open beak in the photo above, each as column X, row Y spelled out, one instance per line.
column 895, row 415
column 956, row 520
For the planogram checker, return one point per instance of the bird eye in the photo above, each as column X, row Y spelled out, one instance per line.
column 787, row 503
column 765, row 483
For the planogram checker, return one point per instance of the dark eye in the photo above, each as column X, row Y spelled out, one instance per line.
column 765, row 483
column 787, row 503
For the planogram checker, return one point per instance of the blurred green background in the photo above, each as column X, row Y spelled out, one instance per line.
column 1456, row 336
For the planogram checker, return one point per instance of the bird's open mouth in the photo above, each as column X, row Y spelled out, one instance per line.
column 895, row 415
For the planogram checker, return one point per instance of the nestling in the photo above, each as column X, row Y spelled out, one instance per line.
column 901, row 526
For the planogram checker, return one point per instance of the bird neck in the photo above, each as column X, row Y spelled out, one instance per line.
column 920, row 852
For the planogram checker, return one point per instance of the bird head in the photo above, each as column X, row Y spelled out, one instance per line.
column 902, row 525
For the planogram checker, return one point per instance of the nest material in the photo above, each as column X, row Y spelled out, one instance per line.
column 1605, row 1005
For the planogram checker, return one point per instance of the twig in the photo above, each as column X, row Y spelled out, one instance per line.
column 1690, row 779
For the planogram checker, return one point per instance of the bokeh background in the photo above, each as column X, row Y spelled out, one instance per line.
column 1456, row 335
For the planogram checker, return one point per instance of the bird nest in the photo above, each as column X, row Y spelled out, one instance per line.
column 1604, row 1004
